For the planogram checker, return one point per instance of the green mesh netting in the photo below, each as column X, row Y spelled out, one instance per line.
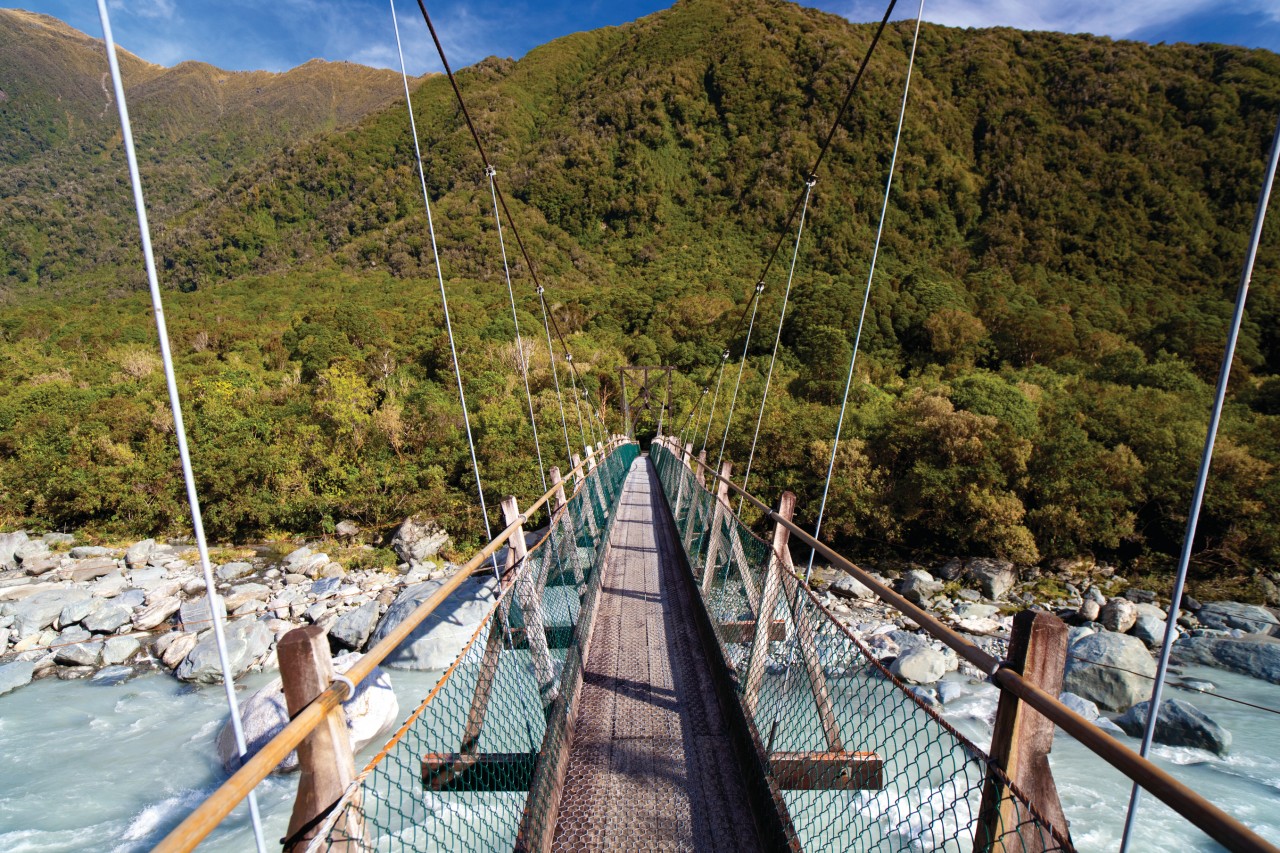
column 462, row 772
column 858, row 760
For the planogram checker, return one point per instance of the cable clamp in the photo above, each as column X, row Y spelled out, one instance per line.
column 568, row 356
column 342, row 679
column 489, row 171
column 540, row 290
column 760, row 287
column 705, row 391
column 724, row 356
column 811, row 182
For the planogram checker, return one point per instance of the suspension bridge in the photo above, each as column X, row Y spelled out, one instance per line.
column 655, row 671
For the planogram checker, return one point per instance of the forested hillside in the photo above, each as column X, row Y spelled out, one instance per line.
column 1052, row 298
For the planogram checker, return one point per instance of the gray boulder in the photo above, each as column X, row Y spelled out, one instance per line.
column 1149, row 630
column 993, row 577
column 346, row 529
column 194, row 614
column 371, row 713
column 106, row 616
column 919, row 586
column 352, row 630
column 9, row 543
column 16, row 674
column 54, row 538
column 173, row 648
column 31, row 550
column 75, row 610
column 1257, row 656
column 1179, row 724
column 437, row 640
column 950, row 570
column 1080, row 705
column 1226, row 615
column 119, row 649
column 247, row 640
column 82, row 552
column 71, row 651
column 83, row 571
column 418, row 538
column 37, row 566
column 921, row 665
column 233, row 571
column 1108, row 669
column 136, row 556
column 1089, row 610
column 37, row 612
column 1118, row 615
column 156, row 613
column 847, row 586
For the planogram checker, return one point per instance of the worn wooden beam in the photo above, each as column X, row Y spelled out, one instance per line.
column 324, row 756
column 766, row 604
column 560, row 522
column 717, row 520
column 1022, row 740
column 526, row 592
column 745, row 632
column 813, row 667
column 827, row 771
column 494, row 771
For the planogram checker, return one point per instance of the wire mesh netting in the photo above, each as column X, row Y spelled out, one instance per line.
column 858, row 760
column 463, row 772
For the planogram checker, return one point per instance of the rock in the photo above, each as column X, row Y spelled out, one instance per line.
column 177, row 648
column 114, row 674
column 1190, row 604
column 1095, row 594
column 161, row 556
column 247, row 640
column 1080, row 705
column 418, row 538
column 1140, row 596
column 16, row 674
column 71, row 651
column 1232, row 614
column 32, row 549
column 109, row 586
column 371, row 713
column 847, row 586
column 1256, row 656
column 949, row 691
column 37, row 612
column 136, row 556
column 53, row 538
column 37, row 566
column 1109, row 669
column 969, row 595
column 950, row 570
column 1118, row 615
column 332, row 570
column 993, row 577
column 83, row 571
column 106, row 616
column 1149, row 630
column 9, row 543
column 131, row 598
column 1150, row 610
column 324, row 588
column 317, row 612
column 245, row 593
column 346, row 529
column 1179, row 724
column 148, row 578
column 437, row 640
column 921, row 665
column 919, row 586
column 975, row 611
column 75, row 610
column 83, row 552
column 233, row 571
column 193, row 615
column 352, row 630
column 119, row 649
column 157, row 613
column 1089, row 610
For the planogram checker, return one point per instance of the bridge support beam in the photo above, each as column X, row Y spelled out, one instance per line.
column 560, row 520
column 1023, row 738
column 717, row 521
column 766, row 604
column 526, row 592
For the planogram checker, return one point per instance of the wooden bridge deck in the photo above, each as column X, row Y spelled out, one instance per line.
column 651, row 766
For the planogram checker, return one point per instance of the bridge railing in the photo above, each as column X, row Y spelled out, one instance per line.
column 462, row 772
column 854, row 758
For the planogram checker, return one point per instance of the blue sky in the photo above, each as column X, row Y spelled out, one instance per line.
column 280, row 34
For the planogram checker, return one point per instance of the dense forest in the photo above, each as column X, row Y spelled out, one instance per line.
column 1061, row 253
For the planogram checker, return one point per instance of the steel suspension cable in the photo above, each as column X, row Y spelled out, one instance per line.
column 175, row 405
column 1202, row 477
column 502, row 199
column 724, row 359
column 777, row 339
column 577, row 404
column 728, row 421
column 490, row 172
column 798, row 604
column 555, row 374
column 866, row 294
column 444, row 297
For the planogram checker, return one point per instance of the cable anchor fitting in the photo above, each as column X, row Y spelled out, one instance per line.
column 489, row 171
column 724, row 356
column 811, row 182
column 760, row 286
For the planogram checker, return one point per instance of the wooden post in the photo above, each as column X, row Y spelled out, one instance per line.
column 594, row 482
column 560, row 519
column 701, row 470
column 530, row 604
column 717, row 521
column 586, row 504
column 1023, row 738
column 324, row 757
column 766, row 605
column 812, row 660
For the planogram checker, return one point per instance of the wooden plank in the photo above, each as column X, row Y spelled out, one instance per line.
column 1022, row 740
column 745, row 632
column 324, row 756
column 827, row 771
column 492, row 771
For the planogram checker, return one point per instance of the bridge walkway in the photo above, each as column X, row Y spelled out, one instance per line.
column 651, row 765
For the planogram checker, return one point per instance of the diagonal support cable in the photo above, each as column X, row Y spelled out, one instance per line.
column 179, row 428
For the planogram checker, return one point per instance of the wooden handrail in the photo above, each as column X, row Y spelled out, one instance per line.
column 197, row 825
column 1216, row 823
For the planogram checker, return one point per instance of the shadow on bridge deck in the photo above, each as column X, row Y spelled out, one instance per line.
column 652, row 765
